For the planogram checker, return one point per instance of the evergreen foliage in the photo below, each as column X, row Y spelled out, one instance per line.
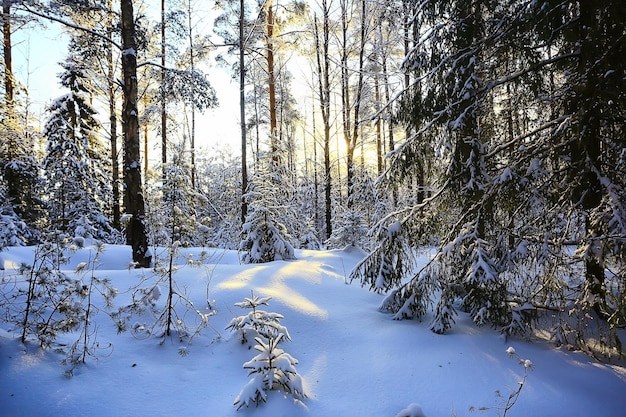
column 257, row 322
column 272, row 369
column 89, row 287
column 13, row 230
column 350, row 231
column 173, row 208
column 45, row 303
column 20, row 176
column 75, row 173
column 521, row 106
column 265, row 238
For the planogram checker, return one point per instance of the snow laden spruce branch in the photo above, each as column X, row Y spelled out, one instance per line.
column 272, row 369
column 529, row 215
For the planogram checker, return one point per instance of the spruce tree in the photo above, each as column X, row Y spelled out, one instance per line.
column 73, row 170
column 524, row 106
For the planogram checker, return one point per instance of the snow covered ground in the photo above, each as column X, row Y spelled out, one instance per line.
column 355, row 360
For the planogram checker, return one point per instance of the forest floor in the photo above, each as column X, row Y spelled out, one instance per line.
column 354, row 360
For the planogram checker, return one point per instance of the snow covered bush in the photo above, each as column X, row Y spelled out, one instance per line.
column 272, row 369
column 309, row 240
column 13, row 231
column 413, row 410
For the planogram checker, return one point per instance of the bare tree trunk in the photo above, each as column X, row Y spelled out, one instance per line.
column 379, row 136
column 193, row 108
column 356, row 125
column 8, row 58
column 133, row 193
column 163, row 109
column 323, row 62
column 113, row 122
column 272, row 82
column 345, row 94
column 242, row 113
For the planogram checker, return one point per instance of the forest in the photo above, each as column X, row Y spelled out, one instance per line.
column 490, row 132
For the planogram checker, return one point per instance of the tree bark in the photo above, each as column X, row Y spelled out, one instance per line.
column 242, row 112
column 113, row 122
column 133, row 193
column 163, row 98
column 272, row 82
column 586, row 150
column 8, row 60
column 323, row 61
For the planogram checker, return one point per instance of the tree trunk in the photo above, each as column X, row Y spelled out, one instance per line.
column 163, row 109
column 242, row 113
column 345, row 96
column 272, row 82
column 586, row 148
column 133, row 193
column 323, row 62
column 8, row 60
column 192, row 135
column 113, row 122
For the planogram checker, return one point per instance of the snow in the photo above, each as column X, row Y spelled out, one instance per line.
column 352, row 359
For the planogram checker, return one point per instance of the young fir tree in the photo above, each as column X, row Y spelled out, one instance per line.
column 73, row 169
column 265, row 238
column 351, row 230
column 174, row 217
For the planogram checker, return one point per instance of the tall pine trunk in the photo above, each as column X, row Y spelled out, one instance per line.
column 323, row 61
column 133, row 194
column 242, row 113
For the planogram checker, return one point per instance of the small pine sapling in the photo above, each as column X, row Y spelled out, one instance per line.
column 257, row 322
column 179, row 316
column 44, row 304
column 272, row 369
column 87, row 288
